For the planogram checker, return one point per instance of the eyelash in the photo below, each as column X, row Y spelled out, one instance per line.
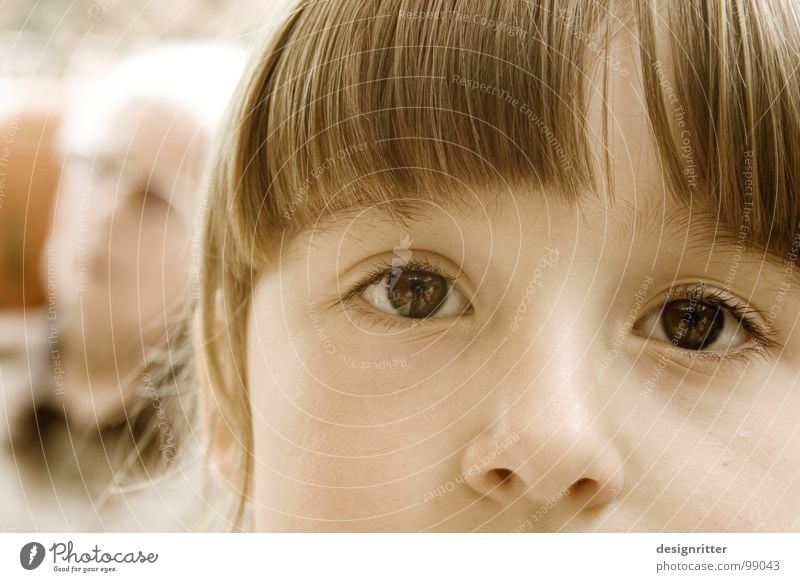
column 744, row 315
column 384, row 269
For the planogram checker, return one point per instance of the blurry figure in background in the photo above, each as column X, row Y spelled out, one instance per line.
column 120, row 246
column 117, row 265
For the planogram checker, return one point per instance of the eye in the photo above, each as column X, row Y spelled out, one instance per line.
column 414, row 293
column 696, row 326
column 701, row 320
column 152, row 200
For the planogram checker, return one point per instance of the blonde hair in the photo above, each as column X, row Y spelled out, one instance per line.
column 420, row 105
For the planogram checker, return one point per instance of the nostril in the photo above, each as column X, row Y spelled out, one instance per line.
column 583, row 487
column 502, row 475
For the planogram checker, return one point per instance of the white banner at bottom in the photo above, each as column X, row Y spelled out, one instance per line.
column 400, row 557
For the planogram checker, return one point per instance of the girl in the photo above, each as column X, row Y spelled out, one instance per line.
column 510, row 266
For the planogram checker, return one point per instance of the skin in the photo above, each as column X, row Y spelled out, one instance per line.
column 573, row 413
column 117, row 290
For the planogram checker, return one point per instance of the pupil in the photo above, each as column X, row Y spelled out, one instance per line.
column 417, row 294
column 691, row 325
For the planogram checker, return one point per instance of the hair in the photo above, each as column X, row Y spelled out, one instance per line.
column 415, row 105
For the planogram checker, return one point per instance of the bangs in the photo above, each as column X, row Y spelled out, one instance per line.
column 363, row 103
column 354, row 104
column 728, row 125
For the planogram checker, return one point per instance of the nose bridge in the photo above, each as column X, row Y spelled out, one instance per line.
column 115, row 213
column 555, row 347
column 98, row 221
column 558, row 311
column 544, row 280
column 102, row 206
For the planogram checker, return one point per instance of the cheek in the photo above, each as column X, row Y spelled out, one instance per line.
column 355, row 438
column 316, row 462
column 75, row 195
column 728, row 457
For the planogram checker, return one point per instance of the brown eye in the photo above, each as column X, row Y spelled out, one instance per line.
column 692, row 325
column 416, row 293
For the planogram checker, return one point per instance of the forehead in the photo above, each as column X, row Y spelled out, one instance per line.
column 144, row 144
column 154, row 135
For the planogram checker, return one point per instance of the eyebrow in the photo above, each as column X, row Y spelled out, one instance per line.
column 705, row 231
column 701, row 230
column 397, row 211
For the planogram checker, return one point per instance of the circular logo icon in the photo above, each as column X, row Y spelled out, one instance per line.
column 31, row 555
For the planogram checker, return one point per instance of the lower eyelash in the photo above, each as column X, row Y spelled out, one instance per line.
column 388, row 323
column 744, row 355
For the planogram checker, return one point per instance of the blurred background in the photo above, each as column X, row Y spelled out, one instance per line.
column 109, row 110
column 50, row 46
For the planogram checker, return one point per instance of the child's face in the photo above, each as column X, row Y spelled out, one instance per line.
column 125, row 202
column 561, row 399
column 122, row 203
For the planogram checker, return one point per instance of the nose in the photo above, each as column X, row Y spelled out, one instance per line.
column 100, row 219
column 548, row 444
